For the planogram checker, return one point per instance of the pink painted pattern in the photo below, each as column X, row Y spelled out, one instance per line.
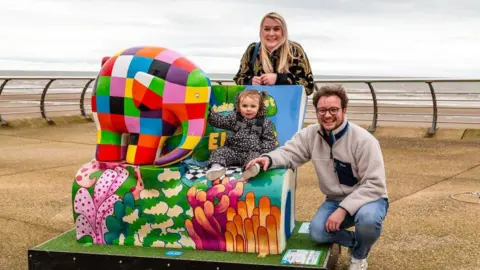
column 117, row 87
column 94, row 211
column 196, row 127
column 133, row 124
column 168, row 56
column 175, row 93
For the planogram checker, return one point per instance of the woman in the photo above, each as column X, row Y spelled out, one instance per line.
column 278, row 61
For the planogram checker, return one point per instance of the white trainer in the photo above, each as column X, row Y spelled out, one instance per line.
column 215, row 172
column 251, row 172
column 356, row 264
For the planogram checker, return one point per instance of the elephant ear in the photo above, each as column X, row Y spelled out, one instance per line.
column 147, row 91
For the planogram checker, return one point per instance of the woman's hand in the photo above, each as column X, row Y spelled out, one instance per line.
column 269, row 78
column 256, row 80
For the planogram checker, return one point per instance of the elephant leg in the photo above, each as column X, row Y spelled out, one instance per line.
column 142, row 149
column 109, row 146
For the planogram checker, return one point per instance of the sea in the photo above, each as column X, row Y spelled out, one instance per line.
column 448, row 94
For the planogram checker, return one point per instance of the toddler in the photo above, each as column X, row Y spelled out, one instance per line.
column 252, row 134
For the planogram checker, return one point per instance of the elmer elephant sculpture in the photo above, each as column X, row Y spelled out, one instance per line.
column 147, row 93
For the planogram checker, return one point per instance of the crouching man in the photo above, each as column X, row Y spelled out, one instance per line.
column 350, row 169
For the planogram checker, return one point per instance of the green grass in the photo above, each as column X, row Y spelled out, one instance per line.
column 67, row 243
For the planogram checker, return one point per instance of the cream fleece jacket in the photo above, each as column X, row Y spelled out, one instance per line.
column 352, row 171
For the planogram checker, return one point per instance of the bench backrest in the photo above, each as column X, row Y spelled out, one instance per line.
column 286, row 108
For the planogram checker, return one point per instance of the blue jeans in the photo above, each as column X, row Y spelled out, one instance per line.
column 367, row 221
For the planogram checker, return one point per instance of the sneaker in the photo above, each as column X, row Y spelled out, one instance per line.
column 356, row 264
column 215, row 173
column 251, row 172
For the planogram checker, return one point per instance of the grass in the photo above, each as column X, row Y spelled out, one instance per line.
column 66, row 243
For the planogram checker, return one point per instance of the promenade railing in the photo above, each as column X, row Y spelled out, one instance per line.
column 428, row 102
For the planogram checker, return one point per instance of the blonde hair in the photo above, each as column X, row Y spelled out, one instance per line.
column 285, row 47
column 253, row 93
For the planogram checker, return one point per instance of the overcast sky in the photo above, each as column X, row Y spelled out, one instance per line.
column 341, row 37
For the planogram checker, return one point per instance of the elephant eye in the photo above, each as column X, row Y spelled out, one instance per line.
column 197, row 95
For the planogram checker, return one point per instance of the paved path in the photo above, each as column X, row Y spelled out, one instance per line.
column 425, row 228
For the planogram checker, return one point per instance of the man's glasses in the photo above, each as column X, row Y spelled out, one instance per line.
column 332, row 110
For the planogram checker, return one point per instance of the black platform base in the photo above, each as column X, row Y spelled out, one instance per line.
column 63, row 252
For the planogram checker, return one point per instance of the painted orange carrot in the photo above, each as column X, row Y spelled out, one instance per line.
column 250, row 202
column 263, row 247
column 242, row 209
column 272, row 234
column 240, row 245
column 229, row 241
column 264, row 209
column 275, row 211
column 249, row 236
column 239, row 224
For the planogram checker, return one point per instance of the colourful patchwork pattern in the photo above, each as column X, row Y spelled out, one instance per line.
column 147, row 93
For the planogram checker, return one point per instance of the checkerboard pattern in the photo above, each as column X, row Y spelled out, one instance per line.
column 194, row 173
column 145, row 94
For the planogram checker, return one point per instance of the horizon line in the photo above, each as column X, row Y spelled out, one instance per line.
column 4, row 72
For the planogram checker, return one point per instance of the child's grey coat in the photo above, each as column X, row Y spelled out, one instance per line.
column 244, row 144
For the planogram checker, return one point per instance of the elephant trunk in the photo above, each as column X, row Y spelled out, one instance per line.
column 192, row 132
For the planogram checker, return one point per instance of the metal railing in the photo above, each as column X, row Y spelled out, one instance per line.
column 19, row 95
column 370, row 100
column 451, row 102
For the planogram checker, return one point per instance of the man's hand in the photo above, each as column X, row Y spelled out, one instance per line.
column 335, row 220
column 256, row 80
column 264, row 162
column 269, row 78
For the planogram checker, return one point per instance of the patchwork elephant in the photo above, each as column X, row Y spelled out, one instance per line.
column 147, row 93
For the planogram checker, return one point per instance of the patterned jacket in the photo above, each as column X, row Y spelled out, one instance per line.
column 244, row 139
column 300, row 71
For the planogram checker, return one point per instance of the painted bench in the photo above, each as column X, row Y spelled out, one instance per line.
column 174, row 206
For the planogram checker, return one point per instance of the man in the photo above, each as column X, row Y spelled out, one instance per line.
column 350, row 169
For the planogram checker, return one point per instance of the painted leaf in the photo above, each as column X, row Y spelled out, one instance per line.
column 113, row 224
column 103, row 185
column 110, row 237
column 103, row 210
column 104, row 228
column 122, row 175
column 87, row 239
column 83, row 227
column 129, row 200
column 83, row 204
column 119, row 210
column 130, row 184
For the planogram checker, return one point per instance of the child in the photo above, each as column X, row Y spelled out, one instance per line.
column 251, row 135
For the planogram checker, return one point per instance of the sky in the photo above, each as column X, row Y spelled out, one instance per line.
column 432, row 38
